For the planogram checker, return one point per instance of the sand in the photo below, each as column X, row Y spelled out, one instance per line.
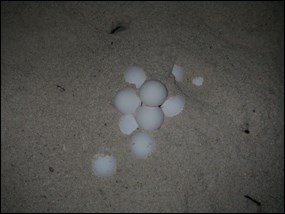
column 61, row 66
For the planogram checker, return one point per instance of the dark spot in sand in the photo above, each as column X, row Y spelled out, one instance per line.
column 119, row 24
column 112, row 43
column 253, row 110
column 117, row 29
column 43, row 196
column 253, row 200
column 246, row 131
column 60, row 87
column 51, row 169
column 101, row 192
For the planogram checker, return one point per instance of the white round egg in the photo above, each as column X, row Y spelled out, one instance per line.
column 104, row 165
column 135, row 75
column 142, row 145
column 149, row 118
column 153, row 93
column 173, row 106
column 128, row 124
column 127, row 101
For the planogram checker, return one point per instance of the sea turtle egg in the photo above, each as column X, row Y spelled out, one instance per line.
column 149, row 118
column 142, row 145
column 126, row 101
column 104, row 165
column 135, row 75
column 153, row 93
column 173, row 106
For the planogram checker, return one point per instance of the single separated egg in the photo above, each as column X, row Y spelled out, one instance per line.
column 104, row 165
column 153, row 93
column 127, row 101
column 149, row 118
column 142, row 145
column 135, row 75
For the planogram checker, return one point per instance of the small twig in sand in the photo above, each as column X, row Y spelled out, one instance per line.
column 62, row 88
column 253, row 200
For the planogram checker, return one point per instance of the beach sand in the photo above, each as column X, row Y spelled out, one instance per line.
column 61, row 66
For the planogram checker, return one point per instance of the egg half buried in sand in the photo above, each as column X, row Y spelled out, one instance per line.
column 198, row 81
column 104, row 165
column 142, row 145
column 178, row 72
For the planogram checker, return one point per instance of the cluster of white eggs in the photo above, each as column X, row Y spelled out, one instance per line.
column 143, row 107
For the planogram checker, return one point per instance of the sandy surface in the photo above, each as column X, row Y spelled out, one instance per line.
column 60, row 70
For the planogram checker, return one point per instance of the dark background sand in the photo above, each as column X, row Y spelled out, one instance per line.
column 204, row 162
